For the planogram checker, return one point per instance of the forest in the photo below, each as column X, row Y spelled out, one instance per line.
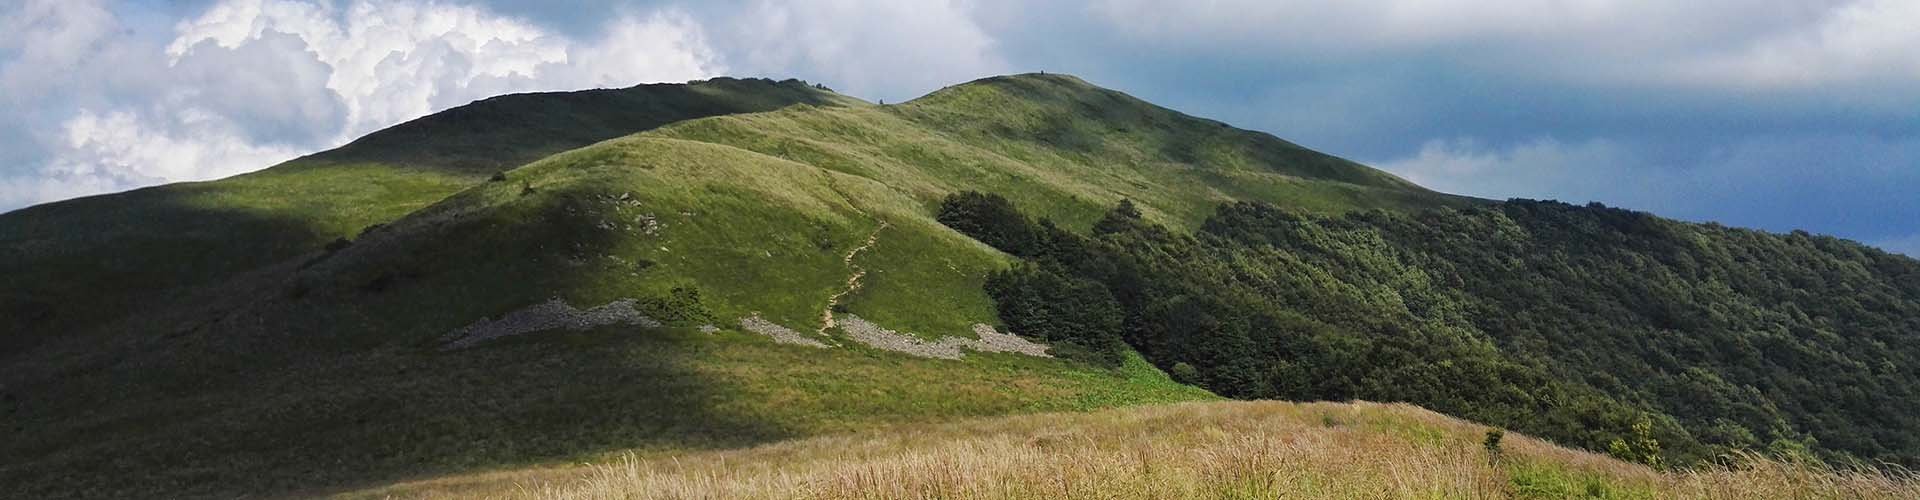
column 1658, row 341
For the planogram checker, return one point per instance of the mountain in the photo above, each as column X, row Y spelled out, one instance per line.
column 542, row 278
column 324, row 321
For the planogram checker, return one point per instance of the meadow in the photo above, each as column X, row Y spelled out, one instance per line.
column 1222, row 450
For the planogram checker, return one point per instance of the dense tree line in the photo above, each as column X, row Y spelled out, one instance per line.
column 1613, row 330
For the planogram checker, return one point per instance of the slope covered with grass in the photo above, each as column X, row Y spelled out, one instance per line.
column 1194, row 450
column 351, row 379
column 74, row 265
column 1065, row 147
column 734, row 274
column 787, row 264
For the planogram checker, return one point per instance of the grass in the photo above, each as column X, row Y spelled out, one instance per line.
column 78, row 264
column 392, row 414
column 1192, row 450
column 345, row 383
column 1065, row 148
column 216, row 350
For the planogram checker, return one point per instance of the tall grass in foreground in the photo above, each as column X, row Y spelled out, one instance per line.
column 1195, row 450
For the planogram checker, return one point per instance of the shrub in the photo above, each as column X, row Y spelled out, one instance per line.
column 1184, row 373
column 681, row 306
column 991, row 219
column 1123, row 217
column 1492, row 444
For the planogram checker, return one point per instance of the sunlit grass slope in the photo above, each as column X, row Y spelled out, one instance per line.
column 1065, row 147
column 1193, row 450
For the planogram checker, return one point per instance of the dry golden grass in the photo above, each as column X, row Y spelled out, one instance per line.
column 1194, row 450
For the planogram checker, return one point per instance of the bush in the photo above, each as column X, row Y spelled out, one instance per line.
column 1184, row 373
column 991, row 219
column 681, row 306
column 1123, row 217
column 1492, row 444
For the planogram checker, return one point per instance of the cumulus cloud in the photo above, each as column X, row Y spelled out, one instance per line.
column 392, row 61
column 249, row 83
column 120, row 147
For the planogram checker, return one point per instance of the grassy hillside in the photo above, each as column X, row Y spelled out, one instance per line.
column 1066, row 148
column 736, row 262
column 716, row 282
column 1196, row 450
column 75, row 265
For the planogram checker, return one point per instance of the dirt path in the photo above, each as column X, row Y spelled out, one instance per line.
column 853, row 281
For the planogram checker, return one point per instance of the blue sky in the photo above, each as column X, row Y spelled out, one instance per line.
column 1774, row 114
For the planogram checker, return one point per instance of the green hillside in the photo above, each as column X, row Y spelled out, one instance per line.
column 566, row 277
column 77, row 264
column 691, row 271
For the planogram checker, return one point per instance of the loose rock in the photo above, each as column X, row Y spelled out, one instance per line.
column 549, row 315
column 780, row 334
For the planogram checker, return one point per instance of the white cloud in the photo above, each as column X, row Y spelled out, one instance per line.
column 46, row 34
column 53, row 185
column 393, row 61
column 664, row 46
column 882, row 48
column 249, row 83
column 119, row 150
column 123, row 147
column 1761, row 44
column 1867, row 40
column 1543, row 167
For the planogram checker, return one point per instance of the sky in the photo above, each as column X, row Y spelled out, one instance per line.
column 1773, row 114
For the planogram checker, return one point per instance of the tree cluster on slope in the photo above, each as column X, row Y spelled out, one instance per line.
column 1596, row 327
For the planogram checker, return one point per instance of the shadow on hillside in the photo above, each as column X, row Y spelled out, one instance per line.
column 330, row 374
column 387, row 416
column 78, row 264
